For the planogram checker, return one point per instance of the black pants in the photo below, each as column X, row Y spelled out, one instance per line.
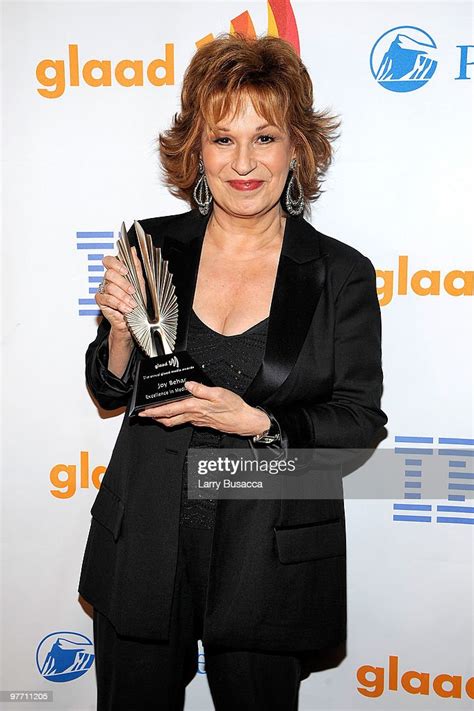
column 142, row 675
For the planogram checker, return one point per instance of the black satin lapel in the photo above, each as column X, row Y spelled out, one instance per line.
column 299, row 282
column 183, row 261
column 296, row 294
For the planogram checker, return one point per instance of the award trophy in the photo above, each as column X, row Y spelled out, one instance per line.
column 159, row 378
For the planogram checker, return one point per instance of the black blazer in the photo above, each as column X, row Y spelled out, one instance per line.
column 277, row 577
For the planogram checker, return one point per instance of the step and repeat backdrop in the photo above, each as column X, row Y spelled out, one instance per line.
column 87, row 87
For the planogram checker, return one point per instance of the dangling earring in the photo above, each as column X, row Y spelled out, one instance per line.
column 294, row 205
column 202, row 194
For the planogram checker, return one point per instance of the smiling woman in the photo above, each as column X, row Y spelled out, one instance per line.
column 224, row 77
column 285, row 320
column 247, row 157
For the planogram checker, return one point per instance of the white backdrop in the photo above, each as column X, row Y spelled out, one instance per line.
column 81, row 159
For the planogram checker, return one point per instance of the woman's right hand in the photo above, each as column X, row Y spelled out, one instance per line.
column 117, row 298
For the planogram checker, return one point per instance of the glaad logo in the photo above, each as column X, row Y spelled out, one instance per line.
column 423, row 282
column 403, row 59
column 67, row 477
column 64, row 656
column 281, row 23
column 375, row 681
column 100, row 72
column 173, row 361
column 55, row 75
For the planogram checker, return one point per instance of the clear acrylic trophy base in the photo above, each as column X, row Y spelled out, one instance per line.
column 161, row 379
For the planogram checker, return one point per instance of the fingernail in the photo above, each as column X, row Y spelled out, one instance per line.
column 132, row 303
column 131, row 290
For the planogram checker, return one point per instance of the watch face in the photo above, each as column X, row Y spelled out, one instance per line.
column 269, row 439
column 272, row 434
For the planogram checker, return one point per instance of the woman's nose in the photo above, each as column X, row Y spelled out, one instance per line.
column 244, row 161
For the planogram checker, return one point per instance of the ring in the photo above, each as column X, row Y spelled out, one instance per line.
column 101, row 287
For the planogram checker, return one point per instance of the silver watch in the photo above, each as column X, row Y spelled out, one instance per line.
column 270, row 435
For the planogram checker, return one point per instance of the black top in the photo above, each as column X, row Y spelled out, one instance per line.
column 231, row 362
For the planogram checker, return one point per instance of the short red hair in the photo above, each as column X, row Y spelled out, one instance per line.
column 220, row 75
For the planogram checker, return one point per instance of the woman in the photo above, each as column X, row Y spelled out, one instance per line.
column 286, row 322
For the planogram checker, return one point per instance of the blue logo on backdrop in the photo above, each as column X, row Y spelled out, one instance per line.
column 64, row 656
column 95, row 245
column 416, row 452
column 403, row 59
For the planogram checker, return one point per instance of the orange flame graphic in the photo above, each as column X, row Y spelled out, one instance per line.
column 281, row 23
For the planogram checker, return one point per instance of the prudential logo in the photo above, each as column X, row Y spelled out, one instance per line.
column 403, row 59
column 64, row 656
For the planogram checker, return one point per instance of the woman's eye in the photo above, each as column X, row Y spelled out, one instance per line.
column 267, row 138
column 225, row 140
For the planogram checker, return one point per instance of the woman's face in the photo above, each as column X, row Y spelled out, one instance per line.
column 246, row 163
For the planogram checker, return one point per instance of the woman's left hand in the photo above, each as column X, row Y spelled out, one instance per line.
column 214, row 407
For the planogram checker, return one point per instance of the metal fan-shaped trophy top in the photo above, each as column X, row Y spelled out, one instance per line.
column 161, row 374
column 158, row 324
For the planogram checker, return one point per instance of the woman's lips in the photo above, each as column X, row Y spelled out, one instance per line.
column 245, row 184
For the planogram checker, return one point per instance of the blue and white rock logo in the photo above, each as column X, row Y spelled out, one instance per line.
column 64, row 656
column 403, row 59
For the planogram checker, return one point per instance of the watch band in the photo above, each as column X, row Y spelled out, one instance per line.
column 273, row 434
